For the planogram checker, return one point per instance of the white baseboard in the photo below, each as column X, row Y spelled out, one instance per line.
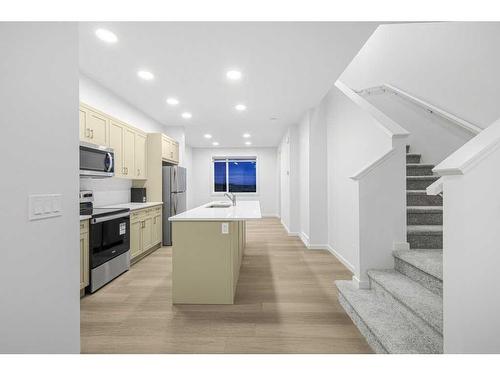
column 292, row 234
column 360, row 284
column 342, row 260
column 304, row 238
column 271, row 215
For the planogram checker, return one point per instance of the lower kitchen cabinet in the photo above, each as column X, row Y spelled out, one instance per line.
column 84, row 254
column 145, row 230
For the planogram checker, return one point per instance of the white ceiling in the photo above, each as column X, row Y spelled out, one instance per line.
column 287, row 68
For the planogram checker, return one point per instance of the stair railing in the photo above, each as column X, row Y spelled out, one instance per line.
column 432, row 109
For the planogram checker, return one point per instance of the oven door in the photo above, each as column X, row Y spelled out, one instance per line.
column 96, row 161
column 109, row 237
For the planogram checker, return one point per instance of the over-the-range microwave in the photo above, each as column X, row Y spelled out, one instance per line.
column 96, row 161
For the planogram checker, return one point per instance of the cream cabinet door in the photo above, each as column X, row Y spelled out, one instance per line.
column 140, row 156
column 84, row 259
column 128, row 152
column 135, row 238
column 157, row 227
column 83, row 123
column 165, row 147
column 147, row 232
column 175, row 148
column 97, row 128
column 116, row 135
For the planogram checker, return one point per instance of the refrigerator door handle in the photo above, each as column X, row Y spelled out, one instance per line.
column 175, row 205
column 174, row 180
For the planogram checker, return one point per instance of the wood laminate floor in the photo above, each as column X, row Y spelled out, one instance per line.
column 286, row 302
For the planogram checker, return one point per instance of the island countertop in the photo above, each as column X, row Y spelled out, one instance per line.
column 244, row 210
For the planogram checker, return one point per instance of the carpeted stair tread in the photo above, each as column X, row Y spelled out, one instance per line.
column 421, row 301
column 429, row 261
column 392, row 330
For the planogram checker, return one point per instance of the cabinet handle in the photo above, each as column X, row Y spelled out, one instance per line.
column 138, row 172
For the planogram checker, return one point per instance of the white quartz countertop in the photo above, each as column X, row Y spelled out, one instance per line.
column 244, row 210
column 134, row 206
column 85, row 217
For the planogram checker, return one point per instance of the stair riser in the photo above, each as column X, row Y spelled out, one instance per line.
column 435, row 332
column 427, row 281
column 419, row 171
column 365, row 331
column 425, row 241
column 418, row 184
column 413, row 158
column 424, row 200
column 427, row 218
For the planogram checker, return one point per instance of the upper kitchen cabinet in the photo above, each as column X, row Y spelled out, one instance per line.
column 169, row 150
column 93, row 126
column 128, row 143
column 116, row 142
column 140, row 156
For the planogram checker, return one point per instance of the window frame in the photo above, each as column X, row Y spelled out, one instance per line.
column 227, row 159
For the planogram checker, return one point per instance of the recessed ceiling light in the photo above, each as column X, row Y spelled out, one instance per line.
column 248, row 143
column 106, row 36
column 234, row 75
column 215, row 143
column 208, row 136
column 144, row 74
column 172, row 101
column 187, row 115
column 246, row 135
column 240, row 107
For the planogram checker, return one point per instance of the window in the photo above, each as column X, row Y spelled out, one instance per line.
column 235, row 175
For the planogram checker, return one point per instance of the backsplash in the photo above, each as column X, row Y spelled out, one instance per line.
column 107, row 191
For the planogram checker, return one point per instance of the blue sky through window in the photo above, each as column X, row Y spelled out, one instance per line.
column 241, row 176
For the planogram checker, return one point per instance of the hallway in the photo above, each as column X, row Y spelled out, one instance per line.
column 286, row 302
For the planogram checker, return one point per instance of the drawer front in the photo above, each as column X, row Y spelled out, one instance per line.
column 84, row 226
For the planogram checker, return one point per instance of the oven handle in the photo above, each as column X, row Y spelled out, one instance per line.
column 110, row 217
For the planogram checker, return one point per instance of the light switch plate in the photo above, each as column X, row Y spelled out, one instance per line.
column 43, row 206
column 225, row 228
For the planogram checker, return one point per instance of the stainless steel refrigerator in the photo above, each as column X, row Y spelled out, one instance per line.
column 174, row 198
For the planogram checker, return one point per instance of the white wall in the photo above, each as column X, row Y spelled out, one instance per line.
column 318, row 180
column 284, row 186
column 353, row 141
column 40, row 267
column 188, row 164
column 201, row 184
column 117, row 190
column 303, row 202
column 454, row 66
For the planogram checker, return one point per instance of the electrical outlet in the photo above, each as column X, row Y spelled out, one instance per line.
column 225, row 228
column 43, row 206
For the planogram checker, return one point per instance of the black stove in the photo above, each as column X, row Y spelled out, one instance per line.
column 100, row 212
column 109, row 245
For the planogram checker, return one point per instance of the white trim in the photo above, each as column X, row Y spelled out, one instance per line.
column 341, row 259
column 373, row 165
column 425, row 105
column 318, row 247
column 389, row 126
column 435, row 188
column 471, row 153
column 360, row 284
column 304, row 238
column 291, row 234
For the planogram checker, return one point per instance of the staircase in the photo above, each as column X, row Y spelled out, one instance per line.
column 403, row 310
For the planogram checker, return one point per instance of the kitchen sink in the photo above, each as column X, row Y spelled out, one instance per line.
column 219, row 205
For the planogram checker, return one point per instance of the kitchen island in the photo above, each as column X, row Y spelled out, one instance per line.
column 208, row 243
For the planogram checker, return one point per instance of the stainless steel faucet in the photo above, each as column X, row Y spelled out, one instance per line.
column 232, row 197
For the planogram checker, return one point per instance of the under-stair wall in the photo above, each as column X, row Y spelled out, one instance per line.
column 471, row 245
